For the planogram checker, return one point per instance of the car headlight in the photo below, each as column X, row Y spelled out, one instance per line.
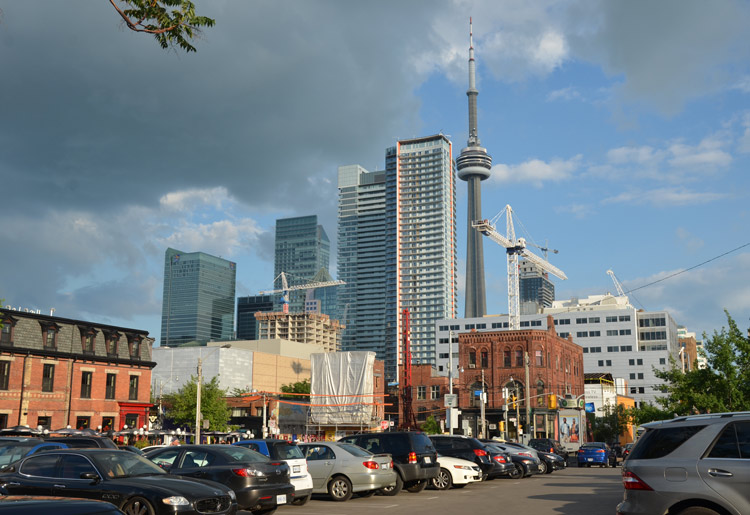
column 176, row 500
column 461, row 467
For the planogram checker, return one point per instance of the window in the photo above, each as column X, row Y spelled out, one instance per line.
column 88, row 337
column 134, row 346
column 86, row 385
column 519, row 357
column 624, row 332
column 506, row 358
column 49, row 334
column 581, row 321
column 485, row 359
column 525, row 323
column 472, row 359
column 469, row 326
column 83, row 422
column 585, row 350
column 443, row 328
column 45, row 422
column 4, row 374
column 538, row 358
column 481, row 326
column 562, row 321
column 48, row 377
column 609, row 362
column 443, row 355
column 109, row 392
column 734, row 442
column 108, row 423
column 42, row 465
column 110, row 342
column 435, row 392
column 613, row 348
column 640, row 375
column 662, row 361
column 601, row 362
column 611, row 332
column 421, row 393
column 633, row 390
column 6, row 333
column 421, row 413
column 582, row 334
column 497, row 325
column 593, row 320
column 131, row 420
column 639, row 361
column 454, row 328
column 624, row 318
column 632, row 375
column 596, row 349
column 626, row 348
column 133, row 389
column 536, row 323
column 611, row 319
column 641, row 389
column 631, row 362
column 595, row 333
column 563, row 335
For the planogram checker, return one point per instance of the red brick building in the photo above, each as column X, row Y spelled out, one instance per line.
column 56, row 372
column 428, row 393
column 555, row 366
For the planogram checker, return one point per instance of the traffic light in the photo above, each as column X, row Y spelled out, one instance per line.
column 552, row 401
column 502, row 426
column 513, row 400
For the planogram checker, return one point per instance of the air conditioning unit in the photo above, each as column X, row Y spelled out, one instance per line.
column 472, row 365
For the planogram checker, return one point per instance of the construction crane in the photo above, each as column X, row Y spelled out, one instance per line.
column 544, row 249
column 408, row 422
column 285, row 289
column 514, row 248
column 618, row 286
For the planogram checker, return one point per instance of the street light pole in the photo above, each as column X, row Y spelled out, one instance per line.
column 450, row 380
column 198, row 414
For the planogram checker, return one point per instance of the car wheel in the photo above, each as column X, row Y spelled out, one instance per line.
column 340, row 489
column 517, row 472
column 543, row 467
column 443, row 481
column 416, row 486
column 698, row 510
column 550, row 468
column 299, row 501
column 367, row 493
column 393, row 490
column 137, row 506
column 521, row 469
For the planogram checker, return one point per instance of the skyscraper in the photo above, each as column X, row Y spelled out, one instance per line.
column 198, row 304
column 247, row 325
column 536, row 291
column 302, row 249
column 361, row 259
column 474, row 165
column 397, row 249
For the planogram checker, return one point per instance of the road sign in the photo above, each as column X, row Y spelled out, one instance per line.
column 391, row 423
column 384, row 425
column 451, row 400
column 477, row 393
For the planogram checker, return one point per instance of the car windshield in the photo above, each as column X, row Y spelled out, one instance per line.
column 14, row 451
column 355, row 450
column 239, row 453
column 117, row 464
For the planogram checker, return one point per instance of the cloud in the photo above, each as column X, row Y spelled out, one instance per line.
column 743, row 84
column 536, row 171
column 579, row 211
column 185, row 200
column 644, row 155
column 568, row 94
column 708, row 155
column 664, row 197
column 691, row 242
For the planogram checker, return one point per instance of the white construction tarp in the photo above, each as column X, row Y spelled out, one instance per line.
column 342, row 386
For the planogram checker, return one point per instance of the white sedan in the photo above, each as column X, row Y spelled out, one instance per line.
column 455, row 472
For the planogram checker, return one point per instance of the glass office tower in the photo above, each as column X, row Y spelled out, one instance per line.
column 247, row 325
column 198, row 303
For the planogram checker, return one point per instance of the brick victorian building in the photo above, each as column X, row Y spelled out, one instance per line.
column 56, row 372
column 555, row 366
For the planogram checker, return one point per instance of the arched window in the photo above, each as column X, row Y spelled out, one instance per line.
column 539, row 358
column 485, row 358
column 472, row 358
column 506, row 358
column 519, row 357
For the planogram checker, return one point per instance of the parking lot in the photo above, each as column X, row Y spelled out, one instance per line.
column 571, row 491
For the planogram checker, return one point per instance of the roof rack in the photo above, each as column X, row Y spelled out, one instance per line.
column 707, row 416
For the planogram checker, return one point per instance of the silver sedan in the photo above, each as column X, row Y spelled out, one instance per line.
column 341, row 469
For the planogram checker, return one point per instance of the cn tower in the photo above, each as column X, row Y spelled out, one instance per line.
column 474, row 165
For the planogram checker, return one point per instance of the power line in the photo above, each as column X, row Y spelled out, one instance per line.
column 688, row 269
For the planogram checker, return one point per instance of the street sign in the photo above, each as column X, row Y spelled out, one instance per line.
column 493, row 426
column 384, row 425
column 391, row 423
column 451, row 400
column 477, row 393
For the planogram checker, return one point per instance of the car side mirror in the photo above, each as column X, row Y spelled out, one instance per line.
column 93, row 476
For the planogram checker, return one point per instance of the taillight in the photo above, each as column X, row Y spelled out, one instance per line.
column 371, row 465
column 391, row 464
column 527, row 454
column 551, row 450
column 499, row 459
column 480, row 452
column 581, row 451
column 632, row 482
column 247, row 472
column 600, row 451
column 412, row 457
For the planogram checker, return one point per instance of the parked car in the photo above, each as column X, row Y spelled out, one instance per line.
column 34, row 505
column 130, row 482
column 455, row 473
column 292, row 455
column 131, row 448
column 259, row 483
column 341, row 469
column 549, row 445
column 525, row 463
column 12, row 451
column 83, row 442
column 626, row 450
column 150, row 448
column 596, row 453
column 414, row 457
column 552, row 461
column 465, row 448
column 697, row 464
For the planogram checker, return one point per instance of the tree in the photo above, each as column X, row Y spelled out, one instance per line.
column 647, row 412
column 612, row 424
column 431, row 426
column 181, row 408
column 298, row 387
column 724, row 385
column 170, row 28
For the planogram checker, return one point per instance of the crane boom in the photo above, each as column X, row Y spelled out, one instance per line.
column 285, row 288
column 618, row 286
column 514, row 248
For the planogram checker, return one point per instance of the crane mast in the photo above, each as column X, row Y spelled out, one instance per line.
column 514, row 247
column 409, row 422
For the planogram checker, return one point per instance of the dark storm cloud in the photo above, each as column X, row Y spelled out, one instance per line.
column 96, row 116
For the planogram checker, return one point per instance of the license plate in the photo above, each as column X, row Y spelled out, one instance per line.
column 427, row 459
column 591, row 459
column 295, row 469
column 281, row 499
column 385, row 466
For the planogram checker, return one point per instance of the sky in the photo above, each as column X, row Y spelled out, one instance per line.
column 619, row 132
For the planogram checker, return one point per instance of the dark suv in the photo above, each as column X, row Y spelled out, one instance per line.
column 698, row 464
column 414, row 457
column 83, row 442
column 549, row 445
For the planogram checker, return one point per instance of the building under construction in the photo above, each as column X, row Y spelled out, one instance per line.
column 312, row 328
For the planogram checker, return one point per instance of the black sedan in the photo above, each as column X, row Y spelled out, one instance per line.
column 261, row 484
column 128, row 481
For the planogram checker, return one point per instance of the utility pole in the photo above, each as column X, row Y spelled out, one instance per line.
column 483, row 400
column 450, row 380
column 526, row 402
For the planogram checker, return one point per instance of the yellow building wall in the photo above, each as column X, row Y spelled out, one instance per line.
column 271, row 371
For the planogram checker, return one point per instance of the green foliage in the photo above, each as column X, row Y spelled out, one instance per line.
column 431, row 426
column 298, row 387
column 238, row 392
column 611, row 424
column 647, row 412
column 172, row 22
column 724, row 385
column 213, row 405
column 140, row 444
